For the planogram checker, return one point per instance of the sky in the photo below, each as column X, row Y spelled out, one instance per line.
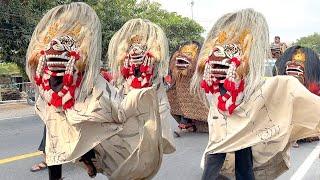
column 290, row 19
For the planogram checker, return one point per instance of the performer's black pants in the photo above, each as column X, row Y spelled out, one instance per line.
column 43, row 141
column 55, row 172
column 185, row 120
column 243, row 165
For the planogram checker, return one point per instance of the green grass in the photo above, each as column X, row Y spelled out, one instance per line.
column 9, row 69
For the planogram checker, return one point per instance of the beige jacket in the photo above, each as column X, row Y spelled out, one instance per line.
column 126, row 133
column 279, row 112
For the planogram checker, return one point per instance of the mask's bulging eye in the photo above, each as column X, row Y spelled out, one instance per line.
column 69, row 43
column 232, row 50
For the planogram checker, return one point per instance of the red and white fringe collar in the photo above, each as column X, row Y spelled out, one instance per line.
column 145, row 69
column 234, row 89
column 65, row 98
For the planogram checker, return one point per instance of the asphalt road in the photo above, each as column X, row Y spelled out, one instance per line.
column 22, row 135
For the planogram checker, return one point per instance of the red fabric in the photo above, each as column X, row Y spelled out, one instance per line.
column 56, row 100
column 106, row 75
column 231, row 108
column 314, row 88
column 136, row 83
column 232, row 92
column 168, row 79
column 147, row 72
column 67, row 79
column 64, row 91
column 72, row 89
column 46, row 88
column 125, row 72
column 74, row 54
column 79, row 79
column 205, row 86
column 69, row 104
column 236, row 61
column 143, row 68
column 38, row 80
column 222, row 105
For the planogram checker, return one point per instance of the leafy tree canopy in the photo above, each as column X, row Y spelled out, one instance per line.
column 18, row 19
column 311, row 41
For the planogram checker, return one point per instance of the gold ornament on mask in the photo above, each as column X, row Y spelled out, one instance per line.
column 299, row 56
column 245, row 41
column 243, row 37
column 54, row 28
column 222, row 37
column 135, row 39
column 189, row 50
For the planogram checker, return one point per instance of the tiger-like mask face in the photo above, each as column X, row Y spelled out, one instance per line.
column 138, row 65
column 221, row 72
column 295, row 67
column 57, row 76
column 183, row 62
column 222, row 64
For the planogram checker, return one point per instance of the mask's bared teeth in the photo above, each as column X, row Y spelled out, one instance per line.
column 64, row 54
column 56, row 69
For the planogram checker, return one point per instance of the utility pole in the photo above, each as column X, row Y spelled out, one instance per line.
column 192, row 3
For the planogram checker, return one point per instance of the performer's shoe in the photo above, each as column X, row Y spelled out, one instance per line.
column 295, row 145
column 183, row 126
column 188, row 126
column 39, row 167
column 177, row 133
column 91, row 169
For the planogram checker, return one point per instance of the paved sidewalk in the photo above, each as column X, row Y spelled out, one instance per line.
column 14, row 110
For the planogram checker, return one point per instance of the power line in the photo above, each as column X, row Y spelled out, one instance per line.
column 192, row 3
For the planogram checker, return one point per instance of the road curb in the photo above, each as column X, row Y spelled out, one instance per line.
column 10, row 118
column 12, row 101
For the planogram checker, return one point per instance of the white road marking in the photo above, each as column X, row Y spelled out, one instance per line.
column 305, row 166
column 10, row 118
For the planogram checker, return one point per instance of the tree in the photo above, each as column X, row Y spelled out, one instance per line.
column 311, row 41
column 15, row 31
column 178, row 29
column 114, row 13
column 18, row 19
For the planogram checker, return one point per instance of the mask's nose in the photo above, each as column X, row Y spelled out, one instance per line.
column 53, row 43
column 135, row 50
column 217, row 54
